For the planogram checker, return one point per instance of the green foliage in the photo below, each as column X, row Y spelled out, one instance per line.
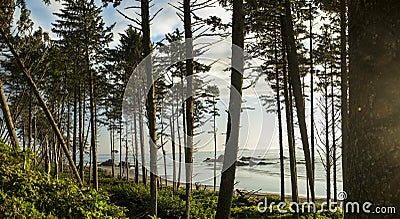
column 29, row 193
column 203, row 205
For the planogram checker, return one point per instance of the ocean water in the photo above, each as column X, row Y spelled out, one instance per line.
column 262, row 178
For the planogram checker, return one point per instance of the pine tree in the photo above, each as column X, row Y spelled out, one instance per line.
column 82, row 29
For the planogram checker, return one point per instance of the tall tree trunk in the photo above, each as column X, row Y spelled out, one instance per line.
column 278, row 104
column 30, row 123
column 47, row 156
column 289, row 126
column 162, row 142
column 294, row 73
column 171, row 125
column 179, row 144
column 344, row 109
column 333, row 139
column 215, row 143
column 183, row 128
column 93, row 128
column 8, row 119
column 142, row 151
column 235, row 103
column 112, row 151
column 172, row 128
column 81, row 125
column 43, row 104
column 136, row 148
column 372, row 155
column 151, row 108
column 126, row 152
column 312, row 133
column 187, row 14
column 35, row 133
column 291, row 139
column 74, row 132
column 327, row 145
column 120, row 149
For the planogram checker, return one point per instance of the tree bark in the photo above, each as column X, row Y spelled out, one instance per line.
column 151, row 108
column 80, row 138
column 172, row 128
column 278, row 104
column 327, row 145
column 312, row 133
column 143, row 152
column 298, row 95
column 43, row 104
column 136, row 149
column 344, row 87
column 187, row 13
column 75, row 124
column 290, row 134
column 8, row 119
column 372, row 156
column 235, row 103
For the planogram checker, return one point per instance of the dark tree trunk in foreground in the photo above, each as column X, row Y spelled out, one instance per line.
column 235, row 102
column 343, row 83
column 8, row 118
column 189, row 104
column 372, row 156
column 294, row 73
column 150, row 107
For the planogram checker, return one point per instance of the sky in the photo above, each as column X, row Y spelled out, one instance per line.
column 258, row 128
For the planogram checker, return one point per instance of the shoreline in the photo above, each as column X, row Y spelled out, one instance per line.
column 197, row 186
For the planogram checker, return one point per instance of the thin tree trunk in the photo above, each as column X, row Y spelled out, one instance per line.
column 47, row 156
column 120, row 149
column 343, row 85
column 312, row 93
column 187, row 14
column 333, row 140
column 75, row 128
column 294, row 72
column 291, row 140
column 112, row 150
column 142, row 151
column 42, row 103
column 235, row 103
column 81, row 145
column 215, row 144
column 179, row 144
column 136, row 149
column 278, row 103
column 30, row 123
column 8, row 119
column 126, row 152
column 93, row 127
column 327, row 146
column 151, row 108
column 183, row 128
column 289, row 127
column 162, row 142
column 172, row 128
